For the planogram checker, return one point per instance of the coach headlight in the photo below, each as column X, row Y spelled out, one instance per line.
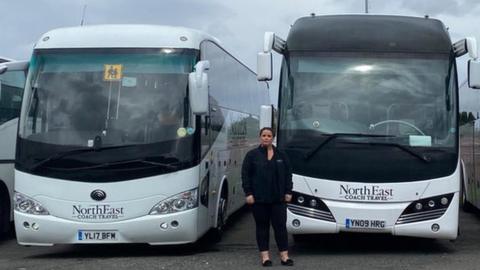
column 425, row 209
column 181, row 202
column 28, row 205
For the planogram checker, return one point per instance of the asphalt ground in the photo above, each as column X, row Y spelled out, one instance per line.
column 237, row 250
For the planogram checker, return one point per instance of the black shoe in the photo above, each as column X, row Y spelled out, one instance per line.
column 288, row 262
column 267, row 263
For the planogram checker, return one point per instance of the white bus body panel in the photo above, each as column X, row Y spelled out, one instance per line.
column 136, row 198
column 8, row 132
column 387, row 208
column 8, row 138
column 123, row 36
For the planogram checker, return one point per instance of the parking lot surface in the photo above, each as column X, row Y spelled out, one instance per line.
column 237, row 250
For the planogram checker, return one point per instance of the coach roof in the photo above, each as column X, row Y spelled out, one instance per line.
column 123, row 36
column 377, row 33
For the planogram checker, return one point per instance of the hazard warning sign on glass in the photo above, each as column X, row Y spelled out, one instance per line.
column 112, row 72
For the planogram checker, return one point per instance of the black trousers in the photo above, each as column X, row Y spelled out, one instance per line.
column 276, row 214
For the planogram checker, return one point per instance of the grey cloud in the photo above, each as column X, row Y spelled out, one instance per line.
column 170, row 12
column 26, row 20
column 432, row 8
column 239, row 25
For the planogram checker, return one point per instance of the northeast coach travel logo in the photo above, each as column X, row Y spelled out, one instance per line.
column 97, row 212
column 365, row 193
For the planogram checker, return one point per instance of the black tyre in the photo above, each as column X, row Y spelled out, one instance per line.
column 466, row 206
column 216, row 234
column 4, row 214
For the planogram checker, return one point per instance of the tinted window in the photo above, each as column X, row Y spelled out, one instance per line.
column 11, row 91
column 232, row 84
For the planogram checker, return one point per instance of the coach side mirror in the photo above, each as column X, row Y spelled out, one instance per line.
column 198, row 88
column 264, row 66
column 266, row 116
column 264, row 59
column 474, row 74
column 471, row 44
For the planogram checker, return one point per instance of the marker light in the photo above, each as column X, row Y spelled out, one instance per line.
column 444, row 201
column 296, row 223
column 313, row 203
column 35, row 226
column 300, row 199
column 418, row 206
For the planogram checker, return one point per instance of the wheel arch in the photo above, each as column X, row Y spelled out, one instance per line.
column 222, row 191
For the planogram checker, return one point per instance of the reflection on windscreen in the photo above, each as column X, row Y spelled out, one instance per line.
column 402, row 97
column 117, row 98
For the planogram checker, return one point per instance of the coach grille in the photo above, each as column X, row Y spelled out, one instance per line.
column 421, row 216
column 311, row 213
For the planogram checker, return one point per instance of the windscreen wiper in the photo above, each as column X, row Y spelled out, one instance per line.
column 422, row 157
column 123, row 162
column 61, row 155
column 332, row 136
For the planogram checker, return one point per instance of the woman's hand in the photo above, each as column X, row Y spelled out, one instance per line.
column 250, row 200
column 288, row 198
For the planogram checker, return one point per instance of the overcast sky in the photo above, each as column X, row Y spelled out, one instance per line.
column 239, row 25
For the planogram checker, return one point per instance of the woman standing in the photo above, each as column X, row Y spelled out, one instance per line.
column 267, row 182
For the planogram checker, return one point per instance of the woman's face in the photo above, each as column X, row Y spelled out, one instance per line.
column 266, row 138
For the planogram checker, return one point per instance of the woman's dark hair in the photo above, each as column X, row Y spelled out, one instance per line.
column 266, row 128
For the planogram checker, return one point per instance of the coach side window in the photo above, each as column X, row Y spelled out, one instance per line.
column 232, row 84
column 11, row 91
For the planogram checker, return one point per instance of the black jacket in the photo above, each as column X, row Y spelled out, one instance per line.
column 254, row 173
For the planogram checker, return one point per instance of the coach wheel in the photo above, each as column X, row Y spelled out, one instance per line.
column 466, row 206
column 4, row 214
column 217, row 232
column 221, row 219
column 222, row 213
